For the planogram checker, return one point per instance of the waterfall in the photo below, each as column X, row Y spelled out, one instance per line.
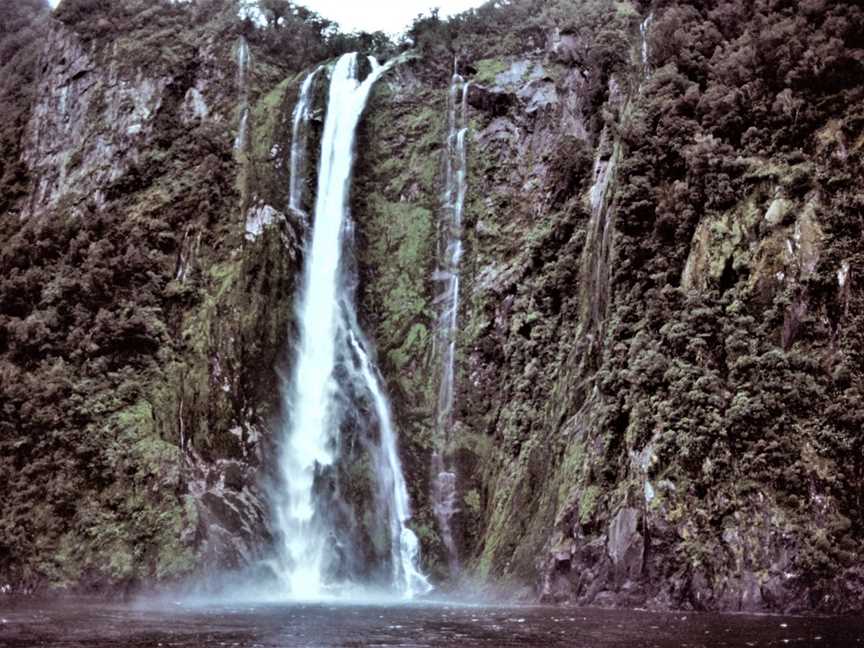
column 392, row 490
column 242, row 73
column 644, row 27
column 444, row 490
column 300, row 145
column 335, row 378
column 598, row 247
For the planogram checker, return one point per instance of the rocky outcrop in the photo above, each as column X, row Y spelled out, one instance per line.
column 495, row 102
column 87, row 125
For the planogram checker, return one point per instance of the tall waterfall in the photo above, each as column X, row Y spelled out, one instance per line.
column 242, row 83
column 335, row 383
column 444, row 490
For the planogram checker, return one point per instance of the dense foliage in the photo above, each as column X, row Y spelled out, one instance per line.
column 91, row 319
column 750, row 377
column 712, row 367
column 730, row 367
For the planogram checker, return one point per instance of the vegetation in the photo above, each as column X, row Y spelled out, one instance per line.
column 715, row 369
column 713, row 383
column 106, row 348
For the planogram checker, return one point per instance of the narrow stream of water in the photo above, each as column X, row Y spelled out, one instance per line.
column 445, row 495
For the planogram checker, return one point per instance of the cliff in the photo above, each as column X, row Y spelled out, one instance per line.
column 658, row 365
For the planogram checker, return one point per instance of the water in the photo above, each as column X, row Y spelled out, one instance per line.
column 87, row 625
column 444, row 487
column 335, row 384
column 644, row 28
column 598, row 248
column 300, row 146
column 242, row 83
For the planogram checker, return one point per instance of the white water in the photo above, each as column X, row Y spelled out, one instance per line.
column 646, row 52
column 331, row 353
column 242, row 73
column 300, row 145
column 444, row 489
column 392, row 490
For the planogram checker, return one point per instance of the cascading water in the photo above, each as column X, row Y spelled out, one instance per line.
column 598, row 247
column 242, row 72
column 444, row 490
column 300, row 145
column 334, row 378
column 644, row 28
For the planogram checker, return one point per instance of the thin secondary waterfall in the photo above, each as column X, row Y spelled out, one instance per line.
column 300, row 145
column 598, row 248
column 644, row 28
column 444, row 490
column 335, row 382
column 242, row 83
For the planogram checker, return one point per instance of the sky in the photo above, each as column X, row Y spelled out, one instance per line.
column 390, row 16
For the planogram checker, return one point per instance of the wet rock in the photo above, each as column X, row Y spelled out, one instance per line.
column 539, row 95
column 626, row 546
column 259, row 218
column 194, row 106
column 700, row 591
column 491, row 101
column 231, row 511
column 564, row 47
column 499, row 131
column 234, row 476
column 778, row 210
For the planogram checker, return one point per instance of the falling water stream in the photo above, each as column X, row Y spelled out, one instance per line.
column 444, row 489
column 300, row 145
column 644, row 28
column 334, row 376
column 242, row 83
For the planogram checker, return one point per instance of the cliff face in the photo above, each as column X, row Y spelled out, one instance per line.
column 659, row 351
column 659, row 372
column 146, row 296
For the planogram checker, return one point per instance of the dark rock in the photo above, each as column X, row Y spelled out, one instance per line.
column 564, row 48
column 494, row 102
column 234, row 477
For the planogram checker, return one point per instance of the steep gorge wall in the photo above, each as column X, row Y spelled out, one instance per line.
column 659, row 367
column 145, row 303
column 659, row 359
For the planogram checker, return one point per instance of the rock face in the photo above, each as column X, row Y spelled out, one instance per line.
column 66, row 141
column 657, row 316
column 167, row 363
column 659, row 365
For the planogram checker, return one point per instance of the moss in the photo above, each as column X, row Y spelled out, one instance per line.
column 472, row 501
column 626, row 9
column 571, row 470
column 265, row 116
column 488, row 70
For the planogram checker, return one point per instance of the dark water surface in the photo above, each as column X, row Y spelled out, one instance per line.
column 323, row 624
